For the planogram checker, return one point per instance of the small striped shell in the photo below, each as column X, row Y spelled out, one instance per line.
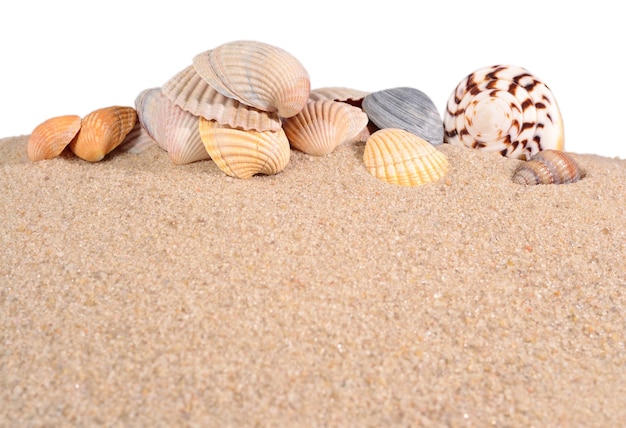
column 323, row 125
column 242, row 154
column 189, row 91
column 101, row 131
column 52, row 136
column 256, row 74
column 504, row 109
column 401, row 157
column 549, row 167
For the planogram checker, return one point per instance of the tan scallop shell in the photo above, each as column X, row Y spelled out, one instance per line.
column 102, row 131
column 400, row 157
column 549, row 167
column 52, row 136
column 323, row 125
column 242, row 154
column 172, row 128
column 189, row 91
column 505, row 109
column 256, row 74
column 338, row 93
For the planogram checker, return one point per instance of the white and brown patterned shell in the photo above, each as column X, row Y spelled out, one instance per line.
column 505, row 109
column 401, row 157
column 549, row 167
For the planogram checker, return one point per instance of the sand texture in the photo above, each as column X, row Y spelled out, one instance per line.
column 137, row 292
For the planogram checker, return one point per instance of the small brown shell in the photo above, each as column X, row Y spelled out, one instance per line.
column 549, row 167
column 102, row 131
column 323, row 125
column 401, row 157
column 52, row 136
column 242, row 154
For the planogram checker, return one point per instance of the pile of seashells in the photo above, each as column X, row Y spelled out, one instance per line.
column 246, row 104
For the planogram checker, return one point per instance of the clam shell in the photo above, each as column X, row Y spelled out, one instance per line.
column 549, row 167
column 506, row 109
column 256, row 74
column 323, row 125
column 172, row 128
column 189, row 91
column 336, row 93
column 52, row 136
column 401, row 157
column 102, row 131
column 242, row 154
column 405, row 108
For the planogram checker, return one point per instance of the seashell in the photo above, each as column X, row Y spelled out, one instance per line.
column 323, row 125
column 405, row 108
column 137, row 140
column 102, row 131
column 401, row 157
column 172, row 128
column 549, row 167
column 256, row 74
column 242, row 154
column 348, row 95
column 506, row 109
column 189, row 91
column 51, row 137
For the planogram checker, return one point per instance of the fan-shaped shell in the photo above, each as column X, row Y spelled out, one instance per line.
column 172, row 128
column 506, row 109
column 401, row 157
column 242, row 154
column 52, row 136
column 256, row 74
column 323, row 125
column 549, row 167
column 405, row 108
column 101, row 131
column 189, row 91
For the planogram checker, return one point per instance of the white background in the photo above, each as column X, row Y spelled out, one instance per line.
column 70, row 57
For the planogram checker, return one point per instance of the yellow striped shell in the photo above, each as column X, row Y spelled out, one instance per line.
column 401, row 157
column 52, row 136
column 506, row 109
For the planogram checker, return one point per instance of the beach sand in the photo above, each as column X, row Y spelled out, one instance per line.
column 137, row 292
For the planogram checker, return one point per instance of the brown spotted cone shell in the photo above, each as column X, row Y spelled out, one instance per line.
column 505, row 109
column 549, row 167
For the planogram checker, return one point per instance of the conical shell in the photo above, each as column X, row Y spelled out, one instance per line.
column 256, row 74
column 189, row 91
column 323, row 125
column 102, row 131
column 405, row 108
column 172, row 128
column 243, row 154
column 401, row 157
column 52, row 136
column 505, row 109
column 348, row 95
column 549, row 167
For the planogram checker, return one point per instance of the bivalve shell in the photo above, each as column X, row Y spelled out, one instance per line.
column 401, row 157
column 336, row 93
column 405, row 108
column 51, row 137
column 505, row 109
column 549, row 167
column 323, row 125
column 256, row 74
column 101, row 131
column 242, row 154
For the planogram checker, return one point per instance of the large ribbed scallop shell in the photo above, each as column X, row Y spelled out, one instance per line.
column 506, row 109
column 405, row 108
column 189, row 91
column 242, row 154
column 323, row 125
column 401, row 157
column 172, row 128
column 52, row 136
column 549, row 167
column 101, row 131
column 256, row 74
